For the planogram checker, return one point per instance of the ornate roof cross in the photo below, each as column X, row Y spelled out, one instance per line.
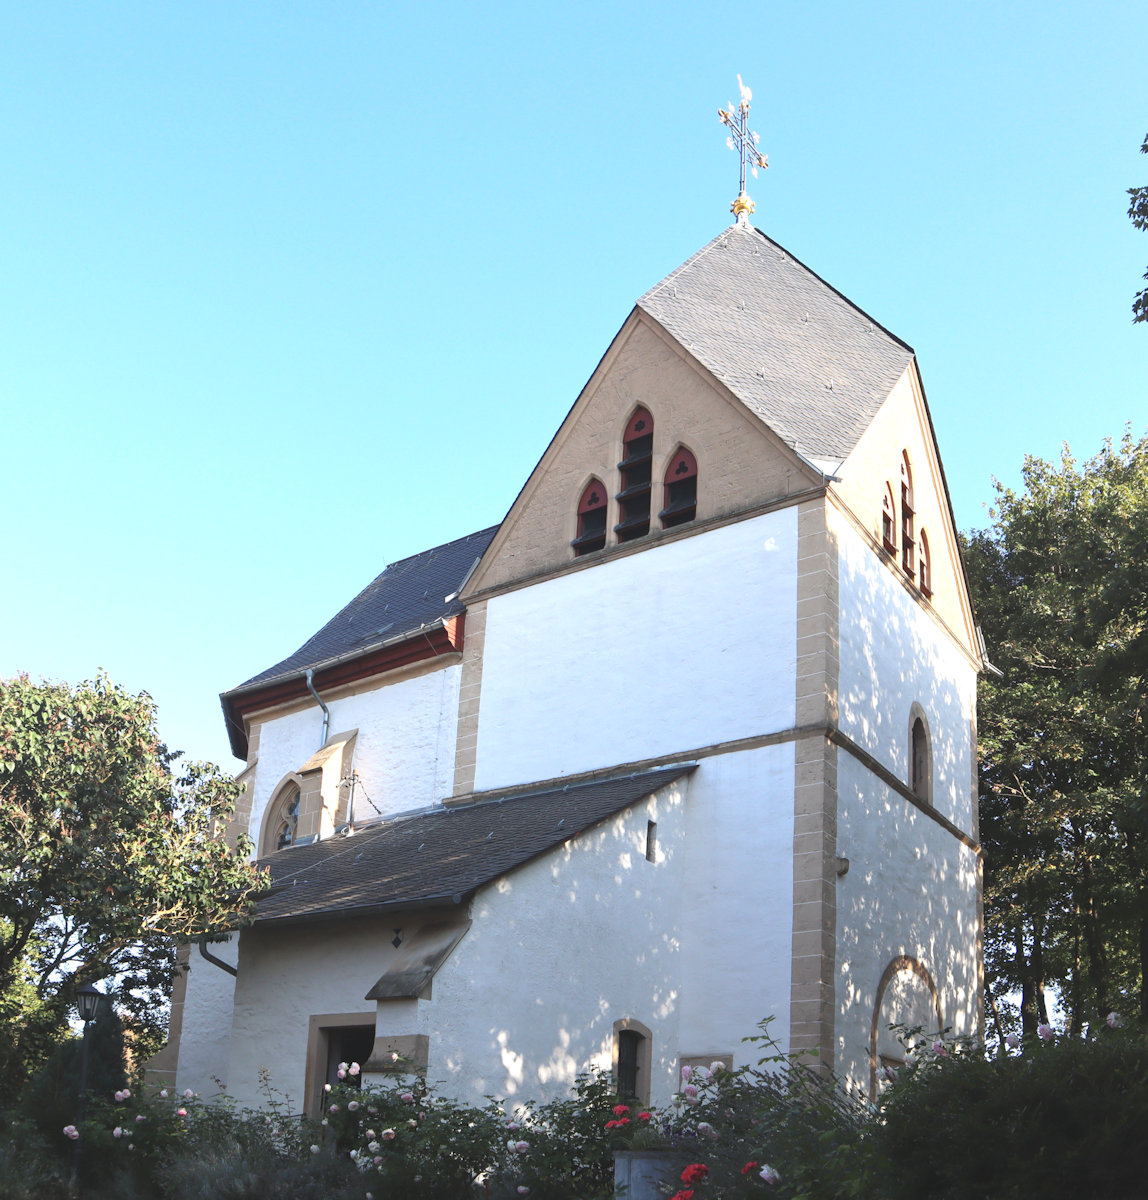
column 741, row 139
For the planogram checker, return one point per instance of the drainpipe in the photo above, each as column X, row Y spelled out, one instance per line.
column 218, row 962
column 326, row 711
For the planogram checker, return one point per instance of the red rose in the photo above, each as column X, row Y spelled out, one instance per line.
column 684, row 1194
column 644, row 1116
column 695, row 1173
column 620, row 1110
column 749, row 1166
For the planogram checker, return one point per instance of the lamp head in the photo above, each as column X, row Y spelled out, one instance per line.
column 88, row 1001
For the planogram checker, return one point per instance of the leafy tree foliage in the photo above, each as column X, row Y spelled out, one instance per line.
column 1060, row 583
column 1138, row 213
column 108, row 859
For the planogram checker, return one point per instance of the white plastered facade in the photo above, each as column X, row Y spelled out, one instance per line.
column 689, row 647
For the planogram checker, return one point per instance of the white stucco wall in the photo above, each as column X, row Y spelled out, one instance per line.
column 286, row 975
column 910, row 890
column 892, row 654
column 404, row 752
column 205, row 1037
column 685, row 645
column 737, row 901
column 695, row 946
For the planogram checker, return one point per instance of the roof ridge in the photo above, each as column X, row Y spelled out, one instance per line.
column 841, row 295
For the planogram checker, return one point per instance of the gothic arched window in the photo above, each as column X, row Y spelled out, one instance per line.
column 283, row 827
column 889, row 521
column 636, row 466
column 591, row 519
column 681, row 489
column 924, row 566
column 908, row 541
column 920, row 760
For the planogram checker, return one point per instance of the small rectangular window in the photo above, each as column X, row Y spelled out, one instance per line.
column 629, row 1044
column 651, row 841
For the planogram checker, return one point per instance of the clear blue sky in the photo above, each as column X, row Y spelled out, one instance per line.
column 290, row 290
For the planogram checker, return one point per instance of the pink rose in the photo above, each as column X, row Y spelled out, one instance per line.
column 117, row 1132
column 1114, row 1021
column 1012, row 1041
column 522, row 1147
column 1045, row 1032
column 70, row 1131
column 407, row 1097
column 139, row 1118
column 353, row 1069
column 686, row 1073
column 770, row 1175
column 181, row 1112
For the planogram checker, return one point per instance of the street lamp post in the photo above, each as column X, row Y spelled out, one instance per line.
column 87, row 1004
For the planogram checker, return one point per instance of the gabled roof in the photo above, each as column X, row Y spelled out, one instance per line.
column 441, row 856
column 807, row 361
column 407, row 597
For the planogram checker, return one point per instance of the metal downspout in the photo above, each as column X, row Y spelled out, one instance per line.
column 326, row 711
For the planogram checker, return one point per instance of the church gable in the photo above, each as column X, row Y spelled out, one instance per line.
column 653, row 445
column 892, row 486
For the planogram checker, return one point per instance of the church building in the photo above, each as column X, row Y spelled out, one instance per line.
column 687, row 741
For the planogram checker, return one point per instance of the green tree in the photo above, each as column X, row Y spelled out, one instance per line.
column 1060, row 583
column 1138, row 213
column 110, row 856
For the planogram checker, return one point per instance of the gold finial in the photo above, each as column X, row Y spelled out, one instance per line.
column 737, row 121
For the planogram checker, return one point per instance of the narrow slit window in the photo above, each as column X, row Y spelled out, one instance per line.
column 591, row 519
column 924, row 566
column 629, row 1053
column 651, row 841
column 889, row 522
column 636, row 467
column 920, row 762
column 680, row 490
column 908, row 542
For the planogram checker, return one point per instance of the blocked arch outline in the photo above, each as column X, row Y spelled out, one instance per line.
column 291, row 778
column 644, row 1067
column 903, row 962
column 917, row 713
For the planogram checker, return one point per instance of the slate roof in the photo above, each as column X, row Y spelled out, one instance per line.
column 408, row 596
column 778, row 336
column 441, row 856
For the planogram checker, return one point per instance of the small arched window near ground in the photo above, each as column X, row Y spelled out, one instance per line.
column 591, row 519
column 681, row 490
column 924, row 566
column 920, row 758
column 632, row 1043
column 908, row 541
column 636, row 467
column 284, row 823
column 889, row 521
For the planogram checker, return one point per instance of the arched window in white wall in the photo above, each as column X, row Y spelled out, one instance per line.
column 282, row 827
column 920, row 757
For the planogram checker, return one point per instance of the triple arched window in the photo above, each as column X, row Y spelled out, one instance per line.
column 638, row 488
column 899, row 532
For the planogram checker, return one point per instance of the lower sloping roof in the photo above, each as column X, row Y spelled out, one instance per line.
column 441, row 856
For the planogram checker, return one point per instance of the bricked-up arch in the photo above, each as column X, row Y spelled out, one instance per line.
column 591, row 534
column 636, row 477
column 906, row 995
column 680, row 489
